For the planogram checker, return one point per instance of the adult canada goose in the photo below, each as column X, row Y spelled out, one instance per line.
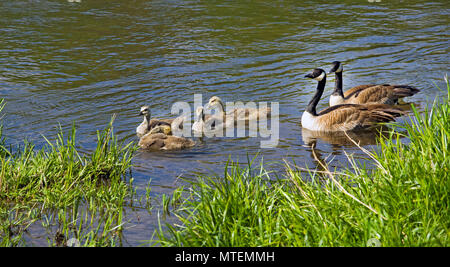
column 343, row 117
column 246, row 114
column 368, row 93
column 156, row 139
column 148, row 124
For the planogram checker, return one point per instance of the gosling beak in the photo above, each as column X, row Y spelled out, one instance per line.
column 141, row 114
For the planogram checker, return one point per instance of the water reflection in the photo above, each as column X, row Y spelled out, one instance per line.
column 338, row 139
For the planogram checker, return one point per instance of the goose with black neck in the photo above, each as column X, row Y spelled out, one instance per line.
column 343, row 117
column 368, row 93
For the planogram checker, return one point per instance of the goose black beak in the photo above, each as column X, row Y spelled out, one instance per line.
column 141, row 114
column 309, row 76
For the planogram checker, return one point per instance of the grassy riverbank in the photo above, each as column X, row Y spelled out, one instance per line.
column 65, row 193
column 404, row 201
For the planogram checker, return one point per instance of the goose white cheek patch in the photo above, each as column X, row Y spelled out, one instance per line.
column 320, row 77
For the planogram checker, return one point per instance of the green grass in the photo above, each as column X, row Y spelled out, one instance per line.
column 402, row 201
column 67, row 193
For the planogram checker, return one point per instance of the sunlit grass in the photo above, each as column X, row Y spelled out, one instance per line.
column 403, row 201
column 71, row 195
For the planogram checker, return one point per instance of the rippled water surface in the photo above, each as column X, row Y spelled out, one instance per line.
column 63, row 62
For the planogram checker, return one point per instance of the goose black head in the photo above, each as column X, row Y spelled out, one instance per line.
column 336, row 67
column 317, row 74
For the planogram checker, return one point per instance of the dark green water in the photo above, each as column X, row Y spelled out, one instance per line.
column 64, row 62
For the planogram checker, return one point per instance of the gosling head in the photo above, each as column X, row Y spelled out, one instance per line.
column 215, row 101
column 145, row 111
column 317, row 74
column 336, row 66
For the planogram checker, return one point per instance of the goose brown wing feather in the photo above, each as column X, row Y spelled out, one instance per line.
column 374, row 94
column 356, row 89
column 405, row 90
column 350, row 116
column 341, row 117
column 384, row 94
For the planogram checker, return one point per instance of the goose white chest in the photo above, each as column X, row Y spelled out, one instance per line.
column 336, row 100
column 309, row 122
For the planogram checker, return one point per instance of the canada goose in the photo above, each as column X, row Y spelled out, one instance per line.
column 343, row 117
column 148, row 124
column 156, row 139
column 246, row 114
column 369, row 93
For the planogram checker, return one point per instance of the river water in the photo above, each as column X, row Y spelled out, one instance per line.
column 63, row 62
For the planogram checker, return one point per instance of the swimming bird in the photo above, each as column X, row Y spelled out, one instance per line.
column 199, row 122
column 245, row 114
column 343, row 117
column 213, row 123
column 148, row 124
column 368, row 93
column 157, row 139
